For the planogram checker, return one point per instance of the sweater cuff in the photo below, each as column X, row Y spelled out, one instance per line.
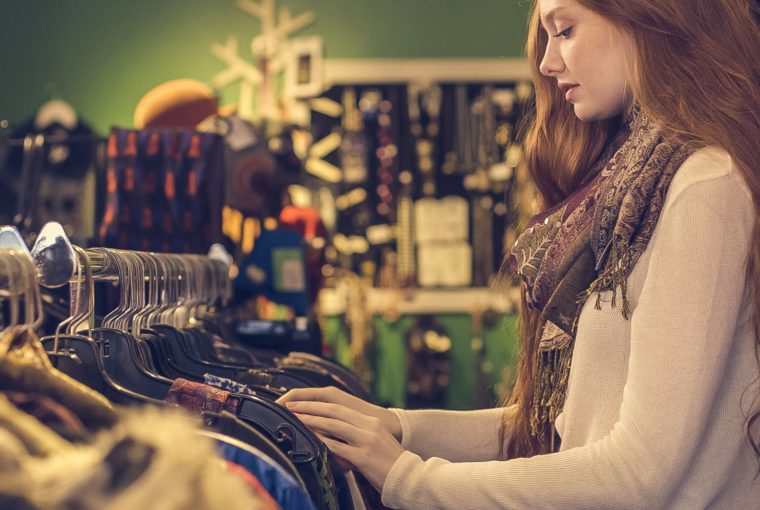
column 406, row 432
column 398, row 486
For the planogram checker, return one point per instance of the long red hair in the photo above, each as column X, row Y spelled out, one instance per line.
column 697, row 74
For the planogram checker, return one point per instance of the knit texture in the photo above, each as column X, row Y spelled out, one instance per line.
column 655, row 409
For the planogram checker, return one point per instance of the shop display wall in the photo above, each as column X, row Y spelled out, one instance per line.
column 102, row 57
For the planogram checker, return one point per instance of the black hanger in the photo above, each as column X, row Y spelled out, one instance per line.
column 303, row 448
column 199, row 346
column 314, row 376
column 171, row 339
column 79, row 357
column 161, row 356
column 201, row 342
column 180, row 359
column 354, row 384
column 123, row 363
column 273, row 377
column 230, row 425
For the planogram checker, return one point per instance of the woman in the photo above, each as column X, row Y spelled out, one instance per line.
column 638, row 377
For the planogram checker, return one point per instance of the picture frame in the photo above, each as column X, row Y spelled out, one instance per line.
column 304, row 69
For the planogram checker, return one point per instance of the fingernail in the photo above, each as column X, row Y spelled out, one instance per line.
column 290, row 404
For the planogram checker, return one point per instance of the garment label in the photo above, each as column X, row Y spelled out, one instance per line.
column 289, row 270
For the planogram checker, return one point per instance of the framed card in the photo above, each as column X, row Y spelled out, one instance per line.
column 304, row 68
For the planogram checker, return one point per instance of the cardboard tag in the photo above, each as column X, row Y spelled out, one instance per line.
column 289, row 270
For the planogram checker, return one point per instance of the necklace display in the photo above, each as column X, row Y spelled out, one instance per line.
column 354, row 147
column 386, row 156
column 446, row 140
column 424, row 107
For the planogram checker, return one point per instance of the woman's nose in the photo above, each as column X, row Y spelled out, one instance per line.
column 552, row 63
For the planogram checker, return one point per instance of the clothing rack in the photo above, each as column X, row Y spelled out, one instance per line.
column 167, row 346
column 103, row 268
column 52, row 139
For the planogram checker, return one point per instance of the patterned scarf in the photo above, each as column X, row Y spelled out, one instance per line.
column 590, row 243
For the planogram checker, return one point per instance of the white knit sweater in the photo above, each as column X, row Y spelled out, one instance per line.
column 655, row 411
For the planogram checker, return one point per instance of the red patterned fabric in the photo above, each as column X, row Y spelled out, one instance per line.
column 200, row 397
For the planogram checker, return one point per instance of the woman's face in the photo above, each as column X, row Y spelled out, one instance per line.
column 589, row 57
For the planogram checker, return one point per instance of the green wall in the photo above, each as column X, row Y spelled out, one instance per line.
column 389, row 362
column 103, row 55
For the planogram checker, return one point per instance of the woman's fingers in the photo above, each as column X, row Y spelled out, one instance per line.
column 335, row 411
column 342, row 451
column 332, row 427
column 326, row 394
column 361, row 440
column 333, row 395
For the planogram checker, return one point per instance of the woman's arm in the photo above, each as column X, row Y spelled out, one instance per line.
column 681, row 334
column 458, row 436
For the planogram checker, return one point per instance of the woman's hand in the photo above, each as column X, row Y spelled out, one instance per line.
column 358, row 439
column 332, row 395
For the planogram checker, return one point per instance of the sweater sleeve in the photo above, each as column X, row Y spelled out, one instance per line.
column 682, row 330
column 458, row 436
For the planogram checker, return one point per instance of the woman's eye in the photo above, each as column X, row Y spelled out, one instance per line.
column 564, row 33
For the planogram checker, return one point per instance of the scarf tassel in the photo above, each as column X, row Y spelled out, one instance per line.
column 614, row 276
column 549, row 393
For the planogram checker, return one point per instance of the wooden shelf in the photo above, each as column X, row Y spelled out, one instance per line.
column 377, row 71
column 424, row 301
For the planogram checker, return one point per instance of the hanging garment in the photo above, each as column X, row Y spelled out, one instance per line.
column 22, row 370
column 276, row 269
column 283, row 488
column 64, row 187
column 226, row 384
column 36, row 439
column 313, row 460
column 390, row 360
column 308, row 223
column 151, row 459
column 266, row 500
column 199, row 397
column 164, row 191
column 49, row 412
column 230, row 426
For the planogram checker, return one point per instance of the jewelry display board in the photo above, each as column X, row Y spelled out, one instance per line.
column 424, row 180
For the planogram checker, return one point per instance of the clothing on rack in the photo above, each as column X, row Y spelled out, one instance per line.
column 284, row 488
column 49, row 168
column 276, row 269
column 164, row 191
column 151, row 355
column 151, row 459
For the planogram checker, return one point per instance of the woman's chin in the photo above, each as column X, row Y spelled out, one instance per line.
column 588, row 114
